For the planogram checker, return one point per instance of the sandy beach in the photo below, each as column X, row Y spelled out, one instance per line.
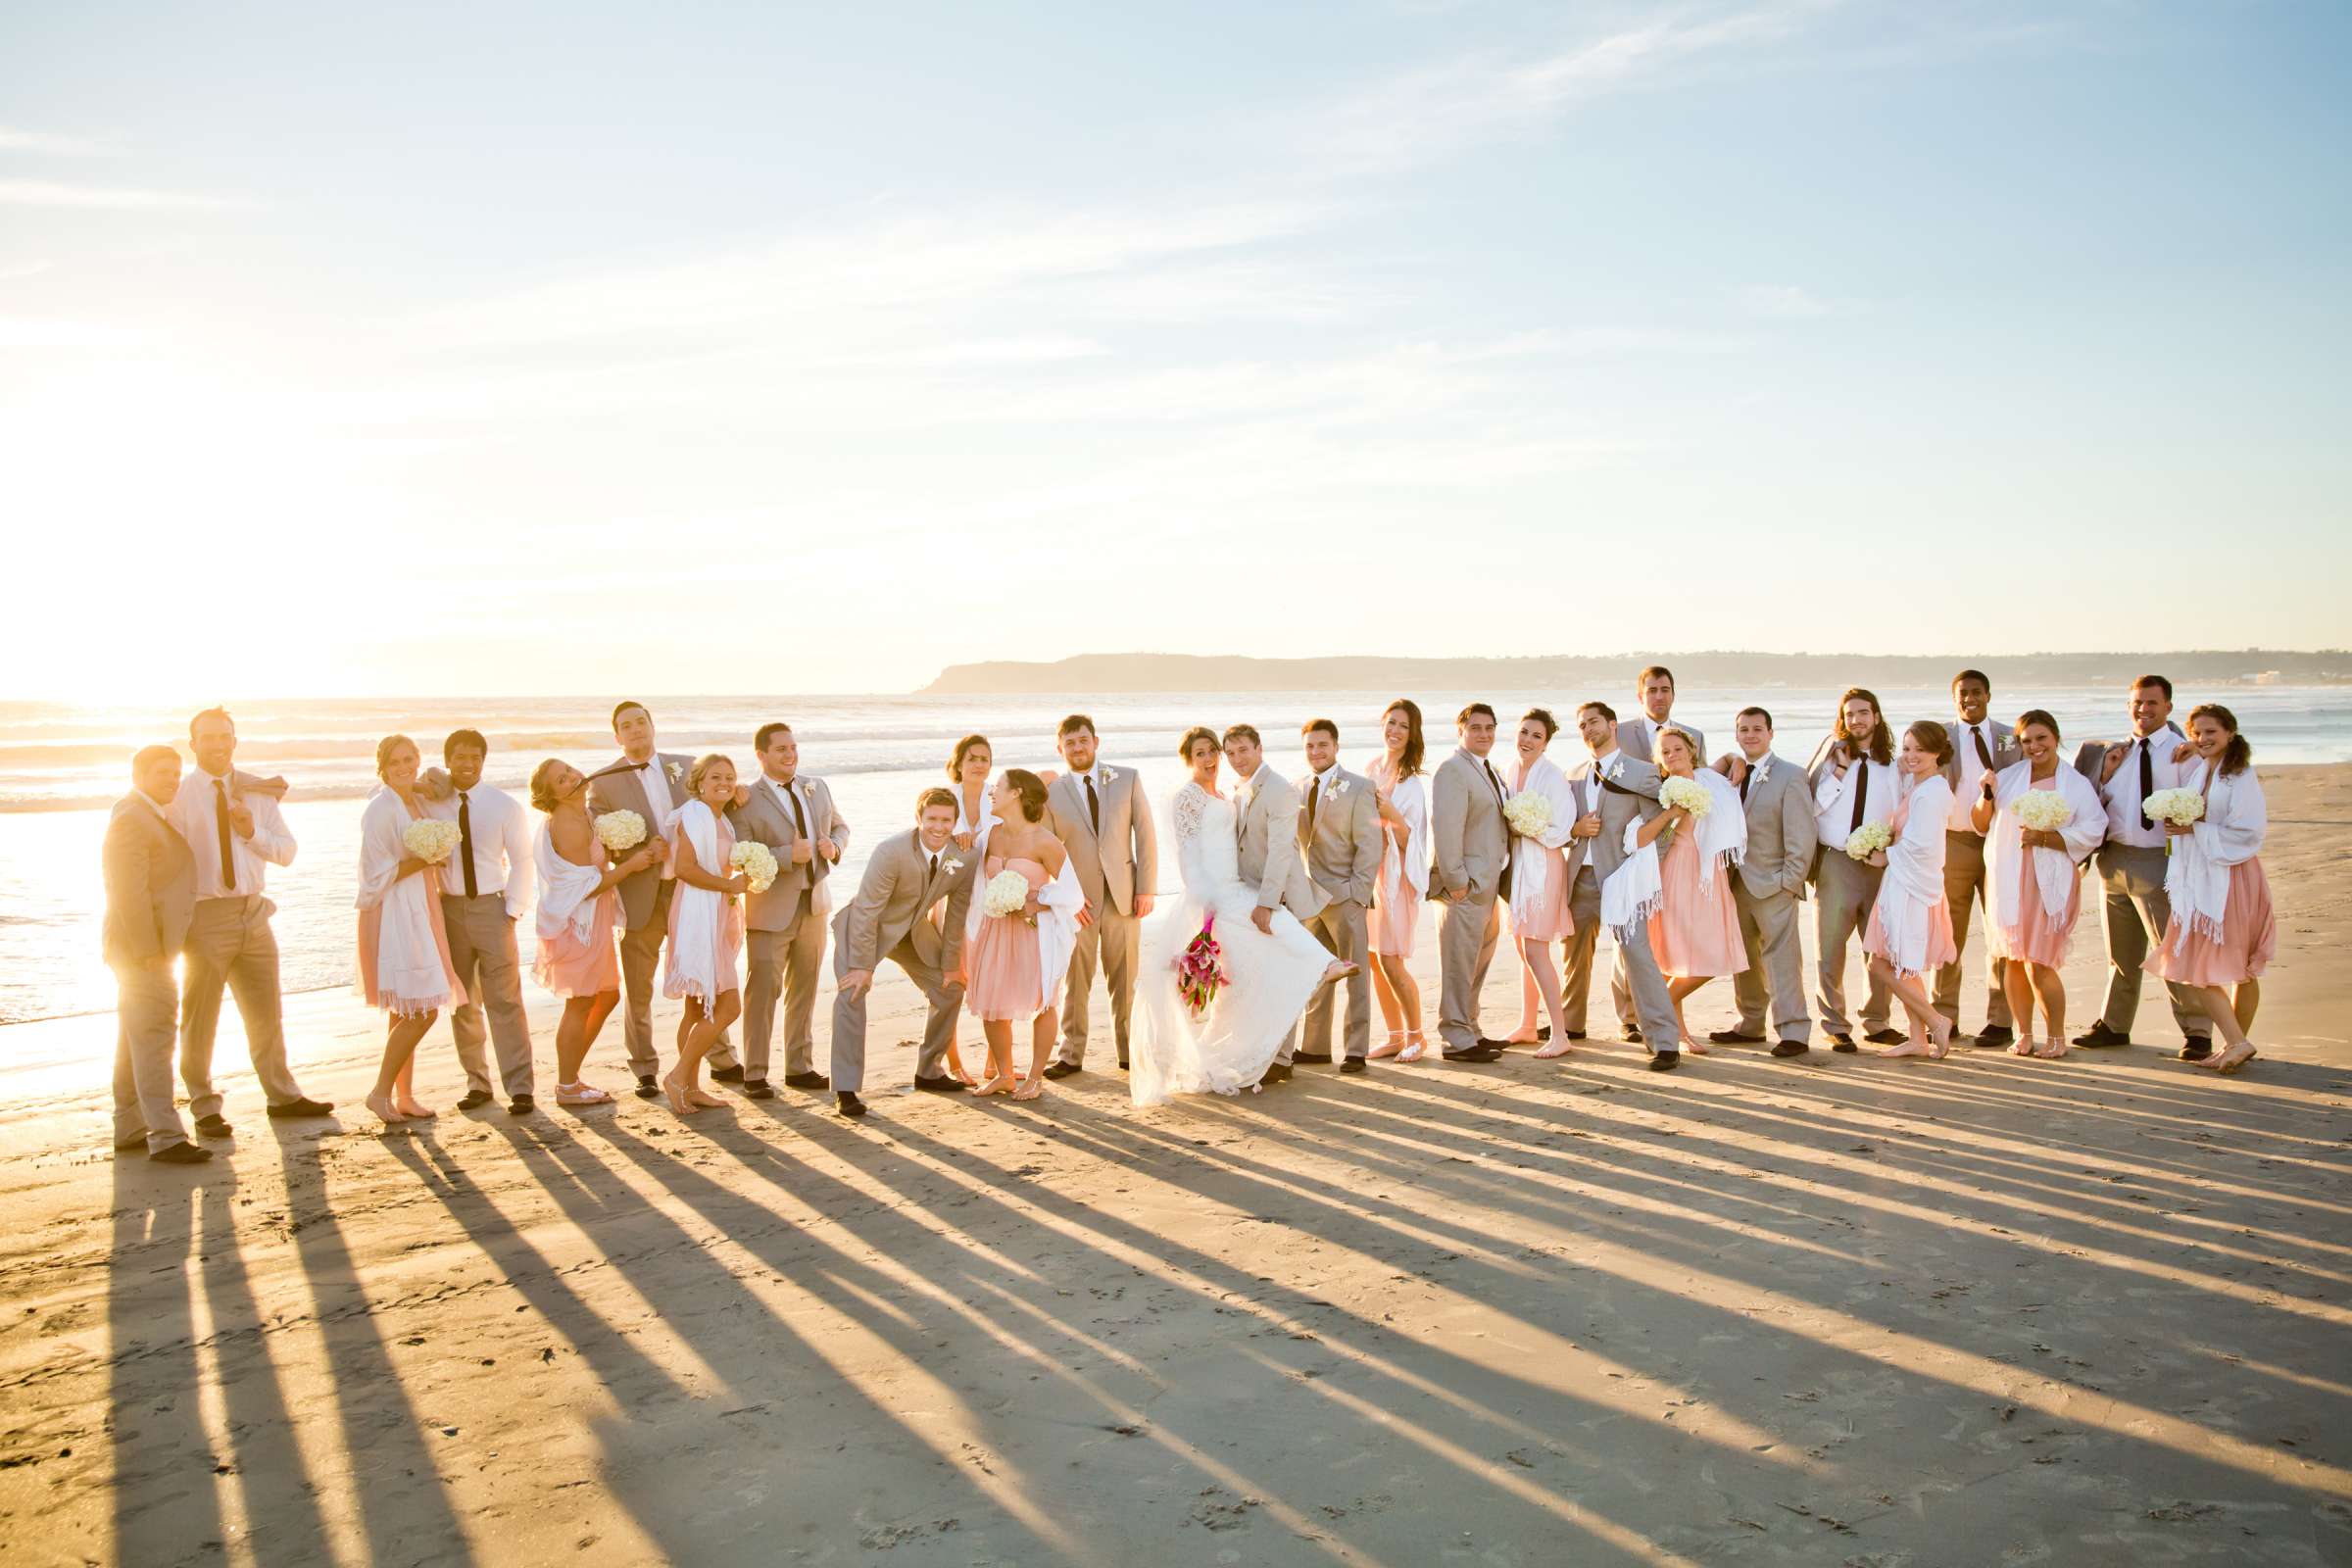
column 1837, row 1311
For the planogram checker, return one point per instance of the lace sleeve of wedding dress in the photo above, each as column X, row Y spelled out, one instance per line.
column 1188, row 808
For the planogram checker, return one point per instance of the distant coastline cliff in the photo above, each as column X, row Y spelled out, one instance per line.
column 1191, row 672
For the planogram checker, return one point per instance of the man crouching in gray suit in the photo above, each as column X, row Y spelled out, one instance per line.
column 1339, row 828
column 909, row 909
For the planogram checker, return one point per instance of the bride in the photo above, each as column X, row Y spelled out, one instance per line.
column 1269, row 976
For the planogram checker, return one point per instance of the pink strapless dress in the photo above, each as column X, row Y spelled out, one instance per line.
column 2249, row 936
column 1003, row 984
column 571, row 967
column 1691, row 934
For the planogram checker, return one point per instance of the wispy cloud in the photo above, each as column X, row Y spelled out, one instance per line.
column 16, row 140
column 57, row 193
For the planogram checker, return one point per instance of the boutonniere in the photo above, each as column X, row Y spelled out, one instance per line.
column 1762, row 770
column 674, row 771
column 951, row 864
column 1108, row 776
column 1341, row 788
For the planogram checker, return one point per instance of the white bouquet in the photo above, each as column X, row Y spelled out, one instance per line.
column 757, row 864
column 431, row 839
column 1688, row 793
column 1008, row 893
column 620, row 831
column 2181, row 806
column 1868, row 839
column 1529, row 814
column 2042, row 811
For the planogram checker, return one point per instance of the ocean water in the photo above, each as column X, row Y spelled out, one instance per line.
column 62, row 767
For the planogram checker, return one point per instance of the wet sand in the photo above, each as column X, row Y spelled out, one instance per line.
column 1838, row 1311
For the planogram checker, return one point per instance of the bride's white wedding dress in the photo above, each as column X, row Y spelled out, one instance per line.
column 1271, row 977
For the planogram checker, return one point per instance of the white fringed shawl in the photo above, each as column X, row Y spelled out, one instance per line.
column 2197, row 880
column 696, row 913
column 567, row 891
column 1528, row 855
column 2054, row 870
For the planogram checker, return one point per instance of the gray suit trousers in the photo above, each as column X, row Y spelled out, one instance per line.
column 481, row 946
column 1342, row 928
column 1776, row 965
column 1575, row 948
column 1466, row 935
column 1647, row 984
column 945, row 995
column 1113, row 943
column 786, row 964
column 230, row 944
column 1963, row 888
column 146, row 1028
column 2133, row 915
column 1842, row 902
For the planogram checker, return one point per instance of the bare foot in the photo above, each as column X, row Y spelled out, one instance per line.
column 1338, row 972
column 1693, row 1045
column 699, row 1095
column 1939, row 1035
column 1909, row 1047
column 2051, row 1048
column 1030, row 1089
column 1414, row 1049
column 675, row 1089
column 1001, row 1084
column 385, row 1110
column 1394, row 1045
column 1559, row 1047
column 2024, row 1046
column 2232, row 1059
column 408, row 1108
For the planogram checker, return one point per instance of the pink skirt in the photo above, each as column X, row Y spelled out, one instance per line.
column 1694, row 935
column 1394, row 918
column 1546, row 918
column 1002, row 965
column 2040, row 936
column 570, row 967
column 1941, row 949
column 2248, row 941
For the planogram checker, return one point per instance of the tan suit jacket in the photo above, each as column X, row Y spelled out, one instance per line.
column 150, row 885
column 1468, row 838
column 1781, row 830
column 1636, row 738
column 627, row 792
column 1123, row 859
column 1267, row 826
column 1343, row 841
column 768, row 821
column 895, row 898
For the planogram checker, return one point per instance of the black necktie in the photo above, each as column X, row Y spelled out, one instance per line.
column 1975, row 732
column 800, row 825
column 2147, row 782
column 1093, row 807
column 934, row 871
column 466, row 839
column 1502, row 888
column 228, row 862
column 1315, row 793
column 1861, row 792
column 1744, row 778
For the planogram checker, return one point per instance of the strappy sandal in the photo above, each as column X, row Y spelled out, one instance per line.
column 1396, row 1044
column 1415, row 1048
column 581, row 1093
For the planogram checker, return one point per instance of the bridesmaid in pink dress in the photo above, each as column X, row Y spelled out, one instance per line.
column 1910, row 931
column 404, row 947
column 2022, row 926
column 1538, row 904
column 1005, row 974
column 2222, row 934
column 706, row 929
column 1695, row 932
column 1395, row 916
column 577, row 908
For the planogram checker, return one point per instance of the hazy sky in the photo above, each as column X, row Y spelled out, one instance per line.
column 580, row 347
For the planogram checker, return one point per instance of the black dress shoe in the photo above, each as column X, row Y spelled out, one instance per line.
column 1354, row 1064
column 941, row 1084
column 647, row 1089
column 2195, row 1049
column 181, row 1155
column 126, row 1144
column 1062, row 1069
column 1123, row 1065
column 1278, row 1073
column 1544, row 1035
column 811, row 1079
column 293, row 1108
column 848, row 1103
column 2099, row 1034
column 474, row 1099
column 1576, row 1034
column 727, row 1075
column 1318, row 1057
column 1480, row 1052
column 1886, row 1037
column 521, row 1105
column 1732, row 1036
column 1844, row 1044
column 757, row 1089
column 1791, row 1048
column 214, row 1126
column 1665, row 1061
column 1995, row 1037
column 1633, row 1035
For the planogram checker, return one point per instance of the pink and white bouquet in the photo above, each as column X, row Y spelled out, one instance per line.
column 1200, row 968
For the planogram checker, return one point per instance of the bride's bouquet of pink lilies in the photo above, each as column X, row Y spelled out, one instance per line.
column 1200, row 968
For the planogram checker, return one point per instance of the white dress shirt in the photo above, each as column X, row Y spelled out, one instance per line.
column 193, row 813
column 1834, row 801
column 502, row 845
column 1960, row 820
column 2121, row 794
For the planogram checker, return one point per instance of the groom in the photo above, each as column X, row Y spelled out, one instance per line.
column 1101, row 815
column 1340, row 831
column 1267, row 828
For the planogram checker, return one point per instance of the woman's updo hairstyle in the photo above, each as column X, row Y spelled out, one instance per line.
column 2239, row 755
column 701, row 770
column 1199, row 732
column 1934, row 739
column 1032, row 790
column 543, row 794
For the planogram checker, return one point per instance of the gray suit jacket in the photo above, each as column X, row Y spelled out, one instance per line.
column 150, row 885
column 769, row 821
column 1271, row 862
column 1469, row 841
column 894, row 895
column 1343, row 841
column 1635, row 795
column 2091, row 756
column 626, row 792
column 1123, row 859
column 2002, row 744
column 1780, row 831
column 1633, row 738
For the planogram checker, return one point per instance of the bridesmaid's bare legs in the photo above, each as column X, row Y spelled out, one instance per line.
column 2225, row 1012
column 1043, row 1031
column 1676, row 991
column 1390, row 973
column 999, row 1035
column 1531, row 998
column 583, row 1019
column 1929, row 1030
column 2051, row 990
column 400, row 1045
column 404, row 1088
column 1538, row 974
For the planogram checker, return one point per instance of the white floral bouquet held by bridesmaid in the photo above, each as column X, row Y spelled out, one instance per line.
column 431, row 839
column 1869, row 839
column 1528, row 813
column 755, row 860
column 620, row 831
column 2179, row 807
column 2042, row 811
column 1007, row 893
column 1688, row 793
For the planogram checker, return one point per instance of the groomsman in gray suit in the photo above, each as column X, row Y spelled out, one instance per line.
column 1471, row 870
column 484, row 889
column 1768, row 886
column 1101, row 815
column 1629, row 792
column 1340, row 831
column 2131, row 866
column 150, row 897
column 909, row 909
column 784, row 927
column 652, row 783
column 1978, row 747
column 1638, row 736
